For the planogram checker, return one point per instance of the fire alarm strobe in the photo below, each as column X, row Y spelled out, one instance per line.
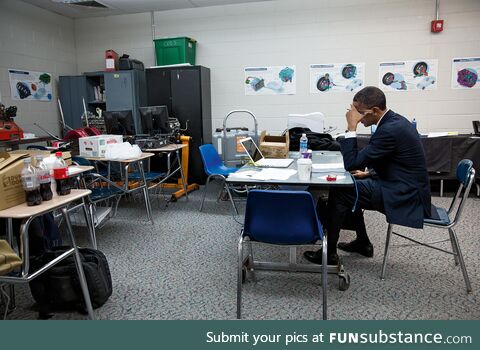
column 437, row 25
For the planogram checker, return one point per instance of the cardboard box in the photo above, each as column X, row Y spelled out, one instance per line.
column 34, row 152
column 274, row 146
column 96, row 146
column 11, row 190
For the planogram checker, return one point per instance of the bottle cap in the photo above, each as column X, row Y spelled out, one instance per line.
column 58, row 154
column 27, row 160
column 39, row 157
column 304, row 135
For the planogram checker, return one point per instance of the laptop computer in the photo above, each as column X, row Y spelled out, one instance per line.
column 258, row 159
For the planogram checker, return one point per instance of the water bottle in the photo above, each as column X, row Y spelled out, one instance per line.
column 44, row 179
column 414, row 124
column 303, row 144
column 30, row 183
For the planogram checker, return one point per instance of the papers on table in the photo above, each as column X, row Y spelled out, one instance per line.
column 442, row 134
column 322, row 167
column 264, row 174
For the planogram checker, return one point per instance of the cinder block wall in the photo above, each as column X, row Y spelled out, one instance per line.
column 37, row 40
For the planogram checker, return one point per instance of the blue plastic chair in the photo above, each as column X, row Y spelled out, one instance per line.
column 215, row 169
column 285, row 218
column 466, row 177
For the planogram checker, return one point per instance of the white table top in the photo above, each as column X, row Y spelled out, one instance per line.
column 74, row 170
column 22, row 211
column 143, row 156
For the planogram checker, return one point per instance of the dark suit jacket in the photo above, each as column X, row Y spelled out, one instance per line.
column 396, row 154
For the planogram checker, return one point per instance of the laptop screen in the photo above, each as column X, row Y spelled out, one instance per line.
column 252, row 149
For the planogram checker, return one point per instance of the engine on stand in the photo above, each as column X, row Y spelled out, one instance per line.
column 9, row 130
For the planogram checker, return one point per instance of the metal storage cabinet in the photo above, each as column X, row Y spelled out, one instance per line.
column 125, row 90
column 186, row 93
column 71, row 91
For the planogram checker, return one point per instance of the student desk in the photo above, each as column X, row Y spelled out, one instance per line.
column 169, row 149
column 124, row 169
column 27, row 214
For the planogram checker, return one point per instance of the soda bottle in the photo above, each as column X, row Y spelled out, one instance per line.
column 44, row 179
column 303, row 145
column 60, row 174
column 30, row 183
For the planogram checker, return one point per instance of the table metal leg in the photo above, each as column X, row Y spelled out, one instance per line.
column 11, row 288
column 90, row 223
column 145, row 192
column 78, row 263
column 181, row 173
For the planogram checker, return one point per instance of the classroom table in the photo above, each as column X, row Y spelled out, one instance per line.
column 126, row 163
column 169, row 149
column 27, row 214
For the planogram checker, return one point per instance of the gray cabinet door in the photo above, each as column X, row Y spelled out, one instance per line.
column 72, row 91
column 119, row 91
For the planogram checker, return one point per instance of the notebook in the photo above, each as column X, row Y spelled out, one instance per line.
column 258, row 159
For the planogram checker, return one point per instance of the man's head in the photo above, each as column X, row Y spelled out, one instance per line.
column 371, row 102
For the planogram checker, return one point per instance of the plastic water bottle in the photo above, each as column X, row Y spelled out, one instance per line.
column 30, row 183
column 414, row 124
column 44, row 178
column 303, row 144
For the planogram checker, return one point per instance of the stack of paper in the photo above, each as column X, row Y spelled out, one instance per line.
column 325, row 167
column 264, row 174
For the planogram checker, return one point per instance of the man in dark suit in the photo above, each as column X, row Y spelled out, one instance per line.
column 397, row 184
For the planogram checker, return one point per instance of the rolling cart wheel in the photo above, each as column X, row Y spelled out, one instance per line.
column 344, row 282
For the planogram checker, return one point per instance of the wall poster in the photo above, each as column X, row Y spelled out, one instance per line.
column 408, row 75
column 336, row 77
column 465, row 73
column 274, row 80
column 28, row 85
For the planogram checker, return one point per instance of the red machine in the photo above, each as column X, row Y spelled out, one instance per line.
column 9, row 130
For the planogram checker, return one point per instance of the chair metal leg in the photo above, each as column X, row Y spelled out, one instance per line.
column 324, row 276
column 230, row 197
column 79, row 266
column 387, row 246
column 462, row 262
column 205, row 192
column 454, row 248
column 441, row 188
column 239, row 277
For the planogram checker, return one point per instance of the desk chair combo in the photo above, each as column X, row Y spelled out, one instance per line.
column 466, row 177
column 288, row 219
column 215, row 169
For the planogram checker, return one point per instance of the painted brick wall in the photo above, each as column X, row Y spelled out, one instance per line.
column 37, row 40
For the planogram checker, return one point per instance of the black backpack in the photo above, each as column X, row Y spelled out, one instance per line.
column 316, row 141
column 58, row 289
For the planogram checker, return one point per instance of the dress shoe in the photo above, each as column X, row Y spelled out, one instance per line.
column 355, row 246
column 316, row 257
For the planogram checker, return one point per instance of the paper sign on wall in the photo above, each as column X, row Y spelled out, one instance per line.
column 336, row 77
column 408, row 75
column 465, row 73
column 28, row 85
column 275, row 80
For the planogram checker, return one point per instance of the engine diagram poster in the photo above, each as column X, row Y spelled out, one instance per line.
column 336, row 77
column 275, row 80
column 408, row 75
column 28, row 85
column 465, row 73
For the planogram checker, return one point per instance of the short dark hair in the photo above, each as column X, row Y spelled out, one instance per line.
column 371, row 96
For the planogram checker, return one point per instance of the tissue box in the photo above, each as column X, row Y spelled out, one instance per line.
column 274, row 146
column 95, row 146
